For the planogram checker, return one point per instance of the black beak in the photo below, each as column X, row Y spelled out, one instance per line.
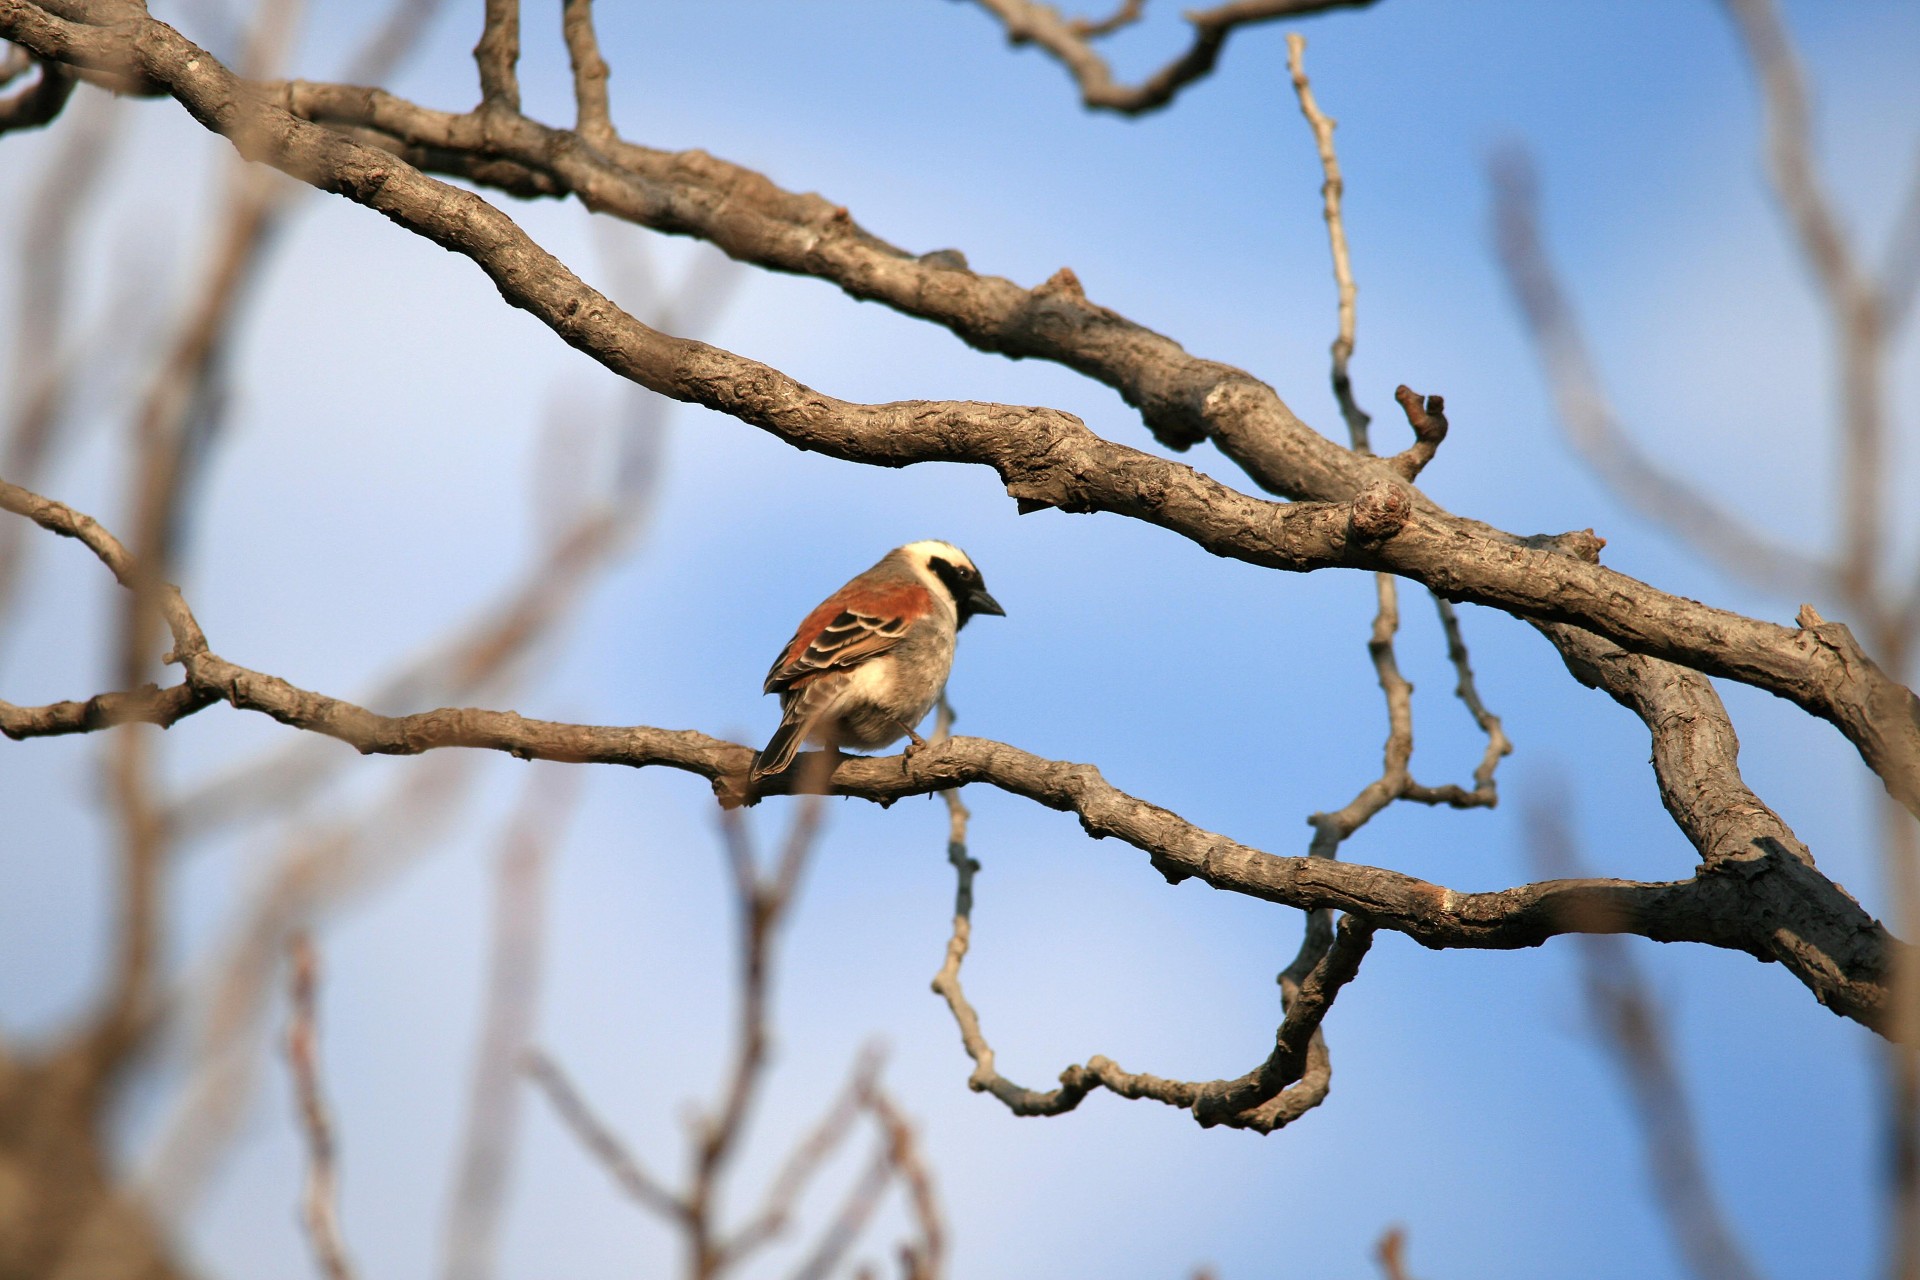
column 978, row 601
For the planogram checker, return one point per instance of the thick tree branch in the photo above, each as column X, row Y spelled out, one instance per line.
column 1184, row 399
column 1839, row 952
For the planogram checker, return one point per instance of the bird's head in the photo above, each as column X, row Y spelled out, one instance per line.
column 947, row 568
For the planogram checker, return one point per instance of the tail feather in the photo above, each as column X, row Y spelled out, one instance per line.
column 780, row 749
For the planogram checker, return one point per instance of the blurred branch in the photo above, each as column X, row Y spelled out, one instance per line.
column 1589, row 422
column 599, row 1140
column 484, row 652
column 318, row 1210
column 1635, row 1035
column 45, row 358
column 762, row 897
column 473, row 1219
column 1900, row 268
column 1391, row 1253
column 40, row 102
column 318, row 867
column 1851, row 297
column 1070, row 41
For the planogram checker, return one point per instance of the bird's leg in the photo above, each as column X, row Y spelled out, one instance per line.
column 915, row 743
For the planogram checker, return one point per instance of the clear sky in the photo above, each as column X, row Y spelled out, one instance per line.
column 377, row 484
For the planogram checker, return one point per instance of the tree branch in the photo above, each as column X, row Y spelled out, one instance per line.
column 40, row 102
column 1070, row 42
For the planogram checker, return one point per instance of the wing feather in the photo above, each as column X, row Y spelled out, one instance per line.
column 835, row 637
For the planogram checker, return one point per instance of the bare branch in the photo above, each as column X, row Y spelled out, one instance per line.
column 1843, row 285
column 317, row 868
column 40, row 102
column 1391, row 1253
column 496, row 54
column 1498, row 745
column 1634, row 1031
column 802, row 1164
column 1068, row 41
column 149, row 704
column 1129, row 12
column 1332, row 188
column 1831, row 678
column 318, row 1208
column 598, row 1139
column 594, row 120
column 1259, row 1100
column 473, row 1219
column 1839, row 952
column 1589, row 421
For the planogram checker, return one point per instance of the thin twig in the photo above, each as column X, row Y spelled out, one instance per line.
column 1332, row 188
column 1069, row 41
column 493, row 1106
column 599, row 1140
column 1391, row 1254
column 1588, row 418
column 318, row 867
column 496, row 55
column 594, row 118
column 1635, row 1035
column 319, row 1210
column 802, row 1164
column 925, row 1259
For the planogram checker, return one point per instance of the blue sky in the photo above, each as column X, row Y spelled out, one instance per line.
column 375, row 487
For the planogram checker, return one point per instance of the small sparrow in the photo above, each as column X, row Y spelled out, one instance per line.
column 869, row 663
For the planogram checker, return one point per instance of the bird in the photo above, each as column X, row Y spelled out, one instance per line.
column 866, row 666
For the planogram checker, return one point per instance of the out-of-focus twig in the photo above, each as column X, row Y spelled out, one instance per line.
column 493, row 1105
column 763, row 895
column 1391, row 1254
column 1852, row 297
column 40, row 102
column 598, row 1138
column 1866, row 314
column 1635, row 1034
column 1589, row 420
column 924, row 1259
column 44, row 363
column 482, row 653
column 319, row 1210
column 1070, row 42
column 318, row 867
